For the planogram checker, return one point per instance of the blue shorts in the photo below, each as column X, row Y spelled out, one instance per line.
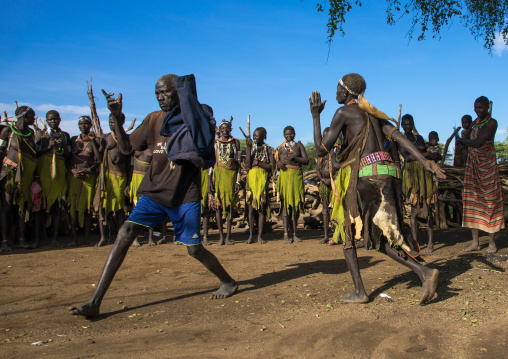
column 186, row 218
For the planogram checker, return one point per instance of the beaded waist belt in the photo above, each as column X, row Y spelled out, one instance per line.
column 10, row 163
column 377, row 169
column 375, row 157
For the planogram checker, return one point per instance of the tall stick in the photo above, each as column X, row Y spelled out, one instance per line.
column 445, row 151
column 398, row 119
column 16, row 103
column 248, row 126
column 96, row 123
column 490, row 107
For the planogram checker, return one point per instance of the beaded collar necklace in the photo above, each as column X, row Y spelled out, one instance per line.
column 481, row 123
column 15, row 130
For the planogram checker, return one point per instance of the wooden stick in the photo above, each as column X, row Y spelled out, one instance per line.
column 131, row 126
column 447, row 144
column 16, row 103
column 398, row 120
column 248, row 125
column 96, row 123
column 490, row 107
column 243, row 133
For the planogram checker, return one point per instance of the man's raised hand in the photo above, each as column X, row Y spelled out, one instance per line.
column 434, row 168
column 316, row 106
column 114, row 104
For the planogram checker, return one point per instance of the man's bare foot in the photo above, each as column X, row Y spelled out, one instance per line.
column 429, row 286
column 73, row 244
column 23, row 244
column 4, row 247
column 287, row 240
column 324, row 241
column 228, row 242
column 221, row 242
column 101, row 243
column 492, row 249
column 261, row 241
column 136, row 243
column 331, row 243
column 160, row 241
column 151, row 242
column 206, row 242
column 472, row 247
column 225, row 290
column 296, row 239
column 355, row 298
column 86, row 310
column 249, row 241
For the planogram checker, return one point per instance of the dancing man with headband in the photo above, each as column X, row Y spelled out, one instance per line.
column 367, row 184
column 170, row 189
column 19, row 162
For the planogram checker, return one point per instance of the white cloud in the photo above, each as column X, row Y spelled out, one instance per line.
column 499, row 45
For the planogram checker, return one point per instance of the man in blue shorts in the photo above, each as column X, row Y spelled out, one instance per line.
column 169, row 189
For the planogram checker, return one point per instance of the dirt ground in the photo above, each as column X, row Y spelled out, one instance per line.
column 159, row 304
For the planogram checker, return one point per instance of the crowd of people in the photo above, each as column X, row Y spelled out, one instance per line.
column 173, row 167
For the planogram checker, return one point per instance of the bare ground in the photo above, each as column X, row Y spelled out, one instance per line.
column 159, row 304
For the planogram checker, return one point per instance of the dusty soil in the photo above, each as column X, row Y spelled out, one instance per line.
column 159, row 304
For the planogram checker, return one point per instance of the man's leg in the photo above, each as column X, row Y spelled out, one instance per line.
column 475, row 246
column 186, row 223
column 359, row 295
column 428, row 276
column 228, row 286
column 126, row 235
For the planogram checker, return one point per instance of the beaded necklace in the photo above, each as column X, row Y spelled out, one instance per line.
column 13, row 128
column 79, row 139
column 23, row 137
column 261, row 154
column 225, row 149
column 352, row 101
column 481, row 123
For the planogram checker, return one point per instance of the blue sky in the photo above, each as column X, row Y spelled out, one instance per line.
column 262, row 58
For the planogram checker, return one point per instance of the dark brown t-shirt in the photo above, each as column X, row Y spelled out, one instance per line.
column 167, row 186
